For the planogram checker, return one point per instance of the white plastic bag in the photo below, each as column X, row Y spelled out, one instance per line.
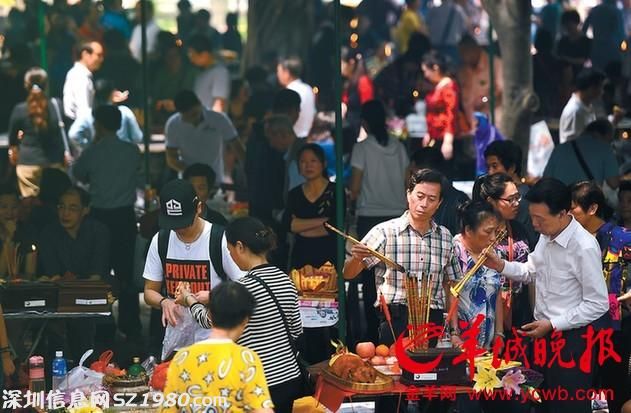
column 540, row 149
column 82, row 378
column 183, row 334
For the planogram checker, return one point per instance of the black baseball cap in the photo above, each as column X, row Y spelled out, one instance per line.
column 178, row 205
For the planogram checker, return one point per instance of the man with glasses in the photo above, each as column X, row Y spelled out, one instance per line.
column 76, row 246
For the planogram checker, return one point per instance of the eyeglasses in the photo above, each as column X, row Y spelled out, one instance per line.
column 513, row 200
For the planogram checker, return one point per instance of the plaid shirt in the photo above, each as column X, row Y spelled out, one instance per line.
column 429, row 253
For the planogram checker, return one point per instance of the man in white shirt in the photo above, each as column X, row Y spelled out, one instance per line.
column 288, row 73
column 197, row 135
column 79, row 88
column 135, row 44
column 185, row 254
column 578, row 111
column 212, row 84
column 571, row 292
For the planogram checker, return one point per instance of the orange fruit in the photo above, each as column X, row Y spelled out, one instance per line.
column 382, row 350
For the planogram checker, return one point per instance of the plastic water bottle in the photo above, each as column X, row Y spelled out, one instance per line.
column 36, row 379
column 60, row 369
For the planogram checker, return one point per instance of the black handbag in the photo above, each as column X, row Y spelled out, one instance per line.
column 307, row 385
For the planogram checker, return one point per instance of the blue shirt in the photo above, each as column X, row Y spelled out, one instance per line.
column 82, row 130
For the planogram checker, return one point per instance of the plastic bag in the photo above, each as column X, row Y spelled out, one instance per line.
column 159, row 377
column 149, row 365
column 183, row 334
column 82, row 378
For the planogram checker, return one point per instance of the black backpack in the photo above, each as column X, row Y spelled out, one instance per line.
column 214, row 247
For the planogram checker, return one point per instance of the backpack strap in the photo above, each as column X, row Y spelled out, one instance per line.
column 216, row 256
column 163, row 246
column 581, row 160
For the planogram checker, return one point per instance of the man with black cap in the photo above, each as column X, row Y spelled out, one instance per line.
column 187, row 249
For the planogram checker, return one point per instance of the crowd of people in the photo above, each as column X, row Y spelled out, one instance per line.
column 68, row 205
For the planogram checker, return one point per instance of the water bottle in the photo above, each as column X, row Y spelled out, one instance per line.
column 60, row 369
column 445, row 340
column 36, row 379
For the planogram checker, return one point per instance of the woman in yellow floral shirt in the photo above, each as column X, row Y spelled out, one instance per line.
column 217, row 374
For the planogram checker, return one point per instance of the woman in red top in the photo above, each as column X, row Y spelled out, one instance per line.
column 358, row 88
column 441, row 104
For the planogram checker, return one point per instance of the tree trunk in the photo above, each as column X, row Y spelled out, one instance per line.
column 279, row 26
column 511, row 21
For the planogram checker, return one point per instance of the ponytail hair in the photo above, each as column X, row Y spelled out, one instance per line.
column 35, row 82
column 490, row 186
column 252, row 233
column 374, row 114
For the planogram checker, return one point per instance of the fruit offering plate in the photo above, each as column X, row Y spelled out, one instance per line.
column 381, row 384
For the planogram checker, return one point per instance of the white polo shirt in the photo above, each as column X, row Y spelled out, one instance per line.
column 78, row 91
column 575, row 117
column 307, row 107
column 203, row 143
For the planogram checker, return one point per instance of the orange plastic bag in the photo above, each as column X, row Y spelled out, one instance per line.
column 159, row 377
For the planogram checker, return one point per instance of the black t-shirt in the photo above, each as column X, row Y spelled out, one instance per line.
column 299, row 206
column 447, row 213
column 579, row 48
column 88, row 254
column 265, row 172
column 314, row 251
column 36, row 147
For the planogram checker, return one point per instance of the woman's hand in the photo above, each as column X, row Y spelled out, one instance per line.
column 447, row 149
column 68, row 158
column 182, row 291
column 426, row 140
column 14, row 153
column 203, row 297
column 456, row 341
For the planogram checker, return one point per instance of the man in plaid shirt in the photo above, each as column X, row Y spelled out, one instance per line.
column 415, row 241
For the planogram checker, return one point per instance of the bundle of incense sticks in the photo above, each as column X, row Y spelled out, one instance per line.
column 419, row 296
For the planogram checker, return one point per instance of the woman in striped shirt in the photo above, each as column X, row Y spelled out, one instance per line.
column 249, row 242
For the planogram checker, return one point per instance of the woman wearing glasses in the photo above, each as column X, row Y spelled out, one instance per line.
column 500, row 191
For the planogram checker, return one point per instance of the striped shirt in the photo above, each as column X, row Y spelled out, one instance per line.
column 265, row 332
column 429, row 253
